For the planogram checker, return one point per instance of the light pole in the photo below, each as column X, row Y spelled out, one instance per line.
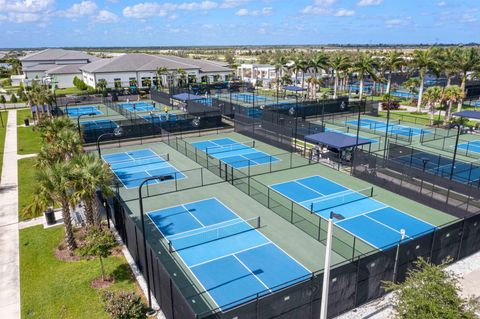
column 326, row 268
column 459, row 127
column 78, row 121
column 117, row 132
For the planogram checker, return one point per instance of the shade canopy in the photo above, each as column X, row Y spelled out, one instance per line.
column 184, row 97
column 336, row 140
column 293, row 88
column 470, row 114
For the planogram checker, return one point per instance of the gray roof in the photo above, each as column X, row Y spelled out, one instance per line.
column 146, row 62
column 66, row 69
column 40, row 67
column 58, row 55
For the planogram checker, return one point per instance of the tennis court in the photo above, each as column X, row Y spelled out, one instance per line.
column 235, row 153
column 471, row 146
column 463, row 172
column 99, row 125
column 364, row 217
column 133, row 167
column 393, row 128
column 250, row 98
column 228, row 256
column 160, row 117
column 76, row 111
column 137, row 106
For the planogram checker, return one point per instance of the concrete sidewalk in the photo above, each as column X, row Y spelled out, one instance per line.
column 9, row 249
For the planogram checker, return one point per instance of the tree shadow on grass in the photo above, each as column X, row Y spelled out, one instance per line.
column 123, row 273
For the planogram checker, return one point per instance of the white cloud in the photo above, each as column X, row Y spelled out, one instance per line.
column 84, row 8
column 316, row 10
column 324, row 2
column 233, row 3
column 26, row 6
column 148, row 10
column 204, row 5
column 245, row 12
column 366, row 3
column 105, row 16
column 344, row 13
column 24, row 17
column 441, row 3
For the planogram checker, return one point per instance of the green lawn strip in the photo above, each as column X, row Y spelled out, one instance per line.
column 26, row 175
column 22, row 114
column 51, row 288
column 28, row 139
column 3, row 131
column 72, row 90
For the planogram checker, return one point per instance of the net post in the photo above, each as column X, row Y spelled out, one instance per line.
column 176, row 183
column 253, row 144
column 371, row 191
column 170, row 246
column 259, row 224
column 311, row 208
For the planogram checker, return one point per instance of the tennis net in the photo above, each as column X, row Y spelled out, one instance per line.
column 142, row 161
column 212, row 233
column 229, row 147
column 339, row 199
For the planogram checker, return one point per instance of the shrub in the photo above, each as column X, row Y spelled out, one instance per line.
column 124, row 305
column 7, row 82
column 392, row 105
column 13, row 99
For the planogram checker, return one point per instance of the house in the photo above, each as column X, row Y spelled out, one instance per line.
column 57, row 65
column 141, row 70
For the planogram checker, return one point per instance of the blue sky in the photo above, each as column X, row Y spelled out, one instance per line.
column 35, row 23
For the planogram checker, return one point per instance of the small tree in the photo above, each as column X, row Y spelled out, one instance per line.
column 98, row 243
column 13, row 99
column 430, row 292
column 3, row 100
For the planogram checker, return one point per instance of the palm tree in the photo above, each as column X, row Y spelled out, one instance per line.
column 392, row 62
column 54, row 185
column 423, row 60
column 468, row 60
column 448, row 63
column 92, row 175
column 338, row 63
column 319, row 62
column 304, row 66
column 279, row 62
column 16, row 65
column 161, row 71
column 312, row 84
column 50, row 128
column 364, row 65
column 68, row 144
column 182, row 77
column 452, row 94
column 432, row 96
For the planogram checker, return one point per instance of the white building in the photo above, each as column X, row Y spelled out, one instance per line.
column 60, row 62
column 134, row 69
column 253, row 73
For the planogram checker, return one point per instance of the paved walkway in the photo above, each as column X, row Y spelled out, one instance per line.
column 9, row 254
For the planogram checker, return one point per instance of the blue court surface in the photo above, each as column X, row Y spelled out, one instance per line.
column 160, row 117
column 99, row 125
column 471, row 146
column 249, row 98
column 463, row 172
column 228, row 256
column 366, row 218
column 76, row 111
column 133, row 167
column 235, row 153
column 137, row 106
column 392, row 128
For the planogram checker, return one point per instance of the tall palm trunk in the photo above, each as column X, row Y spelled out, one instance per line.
column 67, row 221
column 420, row 92
column 464, row 81
column 89, row 213
column 335, row 85
column 446, row 119
column 389, row 83
column 432, row 113
column 361, row 87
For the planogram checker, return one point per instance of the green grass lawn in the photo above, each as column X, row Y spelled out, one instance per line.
column 26, row 175
column 51, row 288
column 72, row 90
column 29, row 141
column 2, row 138
column 22, row 114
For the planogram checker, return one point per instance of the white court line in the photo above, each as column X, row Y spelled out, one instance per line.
column 250, row 271
column 303, row 185
column 188, row 268
column 228, row 255
column 188, row 211
column 217, row 226
column 385, row 225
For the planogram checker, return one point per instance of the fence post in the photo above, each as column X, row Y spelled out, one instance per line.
column 201, row 174
column 291, row 213
column 461, row 239
column 319, row 229
column 268, row 197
